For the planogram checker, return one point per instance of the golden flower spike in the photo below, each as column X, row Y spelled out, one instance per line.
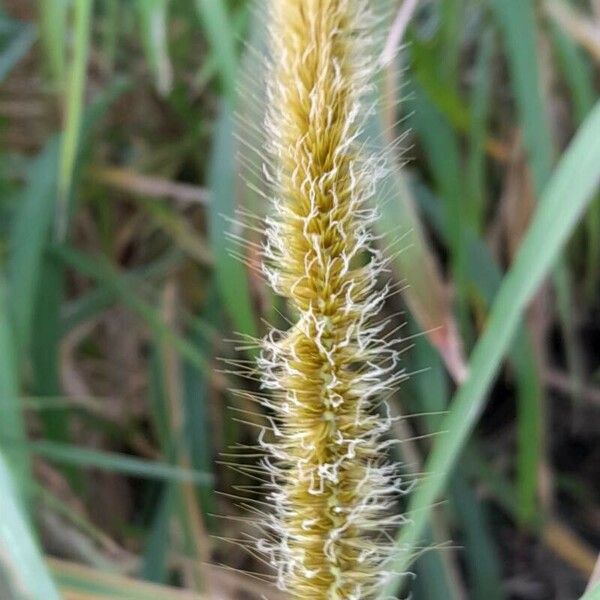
column 331, row 489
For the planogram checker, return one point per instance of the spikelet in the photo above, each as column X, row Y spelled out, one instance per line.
column 331, row 490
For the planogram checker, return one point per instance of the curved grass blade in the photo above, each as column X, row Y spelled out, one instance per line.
column 563, row 202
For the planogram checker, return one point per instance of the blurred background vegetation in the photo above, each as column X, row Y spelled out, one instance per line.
column 118, row 290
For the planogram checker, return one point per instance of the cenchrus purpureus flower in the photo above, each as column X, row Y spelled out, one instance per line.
column 331, row 492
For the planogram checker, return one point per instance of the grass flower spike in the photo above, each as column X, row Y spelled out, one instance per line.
column 331, row 489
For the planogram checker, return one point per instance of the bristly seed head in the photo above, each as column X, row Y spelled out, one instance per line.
column 330, row 486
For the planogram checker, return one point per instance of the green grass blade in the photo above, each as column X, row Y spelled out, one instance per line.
column 563, row 202
column 432, row 581
column 480, row 553
column 116, row 463
column 485, row 278
column 430, row 394
column 153, row 15
column 220, row 34
column 529, row 426
column 103, row 273
column 442, row 148
column 101, row 298
column 49, row 301
column 45, row 345
column 480, row 109
column 20, row 560
column 29, row 235
column 75, row 99
column 53, row 23
column 579, row 76
column 158, row 541
column 518, row 22
column 16, row 40
column 155, row 559
column 593, row 594
column 198, row 423
column 576, row 70
column 110, row 33
column 13, row 437
column 231, row 274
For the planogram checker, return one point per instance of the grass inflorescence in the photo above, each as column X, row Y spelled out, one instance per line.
column 332, row 490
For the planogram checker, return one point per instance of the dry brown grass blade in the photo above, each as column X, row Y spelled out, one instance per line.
column 570, row 547
column 197, row 576
column 563, row 383
column 426, row 293
column 394, row 39
column 130, row 181
column 68, row 571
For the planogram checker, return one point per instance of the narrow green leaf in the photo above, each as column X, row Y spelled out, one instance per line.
column 117, row 463
column 231, row 274
column 441, row 146
column 153, row 15
column 45, row 345
column 102, row 272
column 20, row 559
column 53, row 23
column 13, row 437
column 579, row 76
column 431, row 582
column 16, row 40
column 529, row 426
column 576, row 70
column 219, row 32
column 157, row 546
column 431, row 394
column 29, row 235
column 110, row 33
column 485, row 278
column 101, row 298
column 518, row 21
column 480, row 107
column 75, row 100
column 576, row 178
column 198, row 423
column 480, row 553
column 593, row 594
